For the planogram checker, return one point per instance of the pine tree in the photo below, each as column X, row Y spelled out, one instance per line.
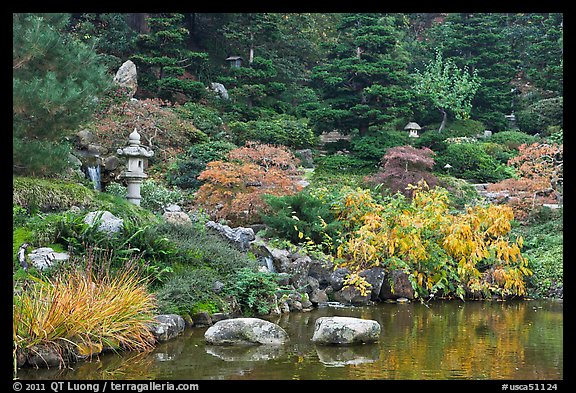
column 166, row 67
column 55, row 83
column 364, row 80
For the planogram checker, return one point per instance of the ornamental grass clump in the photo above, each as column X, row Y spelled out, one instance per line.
column 78, row 309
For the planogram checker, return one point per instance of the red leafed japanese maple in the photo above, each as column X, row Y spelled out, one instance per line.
column 404, row 165
column 233, row 188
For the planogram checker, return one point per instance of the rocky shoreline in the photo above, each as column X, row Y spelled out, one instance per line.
column 307, row 283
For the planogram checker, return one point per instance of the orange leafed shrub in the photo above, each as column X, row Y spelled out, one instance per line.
column 233, row 189
column 541, row 169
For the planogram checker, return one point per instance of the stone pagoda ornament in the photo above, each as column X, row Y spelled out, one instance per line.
column 134, row 175
column 413, row 129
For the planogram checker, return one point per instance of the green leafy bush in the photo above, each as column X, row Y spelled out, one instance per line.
column 542, row 114
column 512, row 139
column 471, row 162
column 342, row 163
column 372, row 147
column 155, row 196
column 281, row 130
column 183, row 292
column 204, row 118
column 254, row 291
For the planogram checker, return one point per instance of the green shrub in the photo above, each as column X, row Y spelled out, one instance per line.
column 471, row 162
column 372, row 147
column 342, row 163
column 204, row 118
column 544, row 247
column 512, row 139
column 465, row 128
column 199, row 248
column 279, row 130
column 499, row 152
column 542, row 114
column 254, row 291
column 184, row 292
column 461, row 193
column 155, row 196
column 300, row 217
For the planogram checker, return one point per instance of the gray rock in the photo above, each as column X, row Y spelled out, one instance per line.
column 351, row 295
column 126, row 76
column 202, row 318
column 374, row 277
column 321, row 270
column 167, row 327
column 44, row 257
column 239, row 237
column 85, row 138
column 177, row 218
column 396, row 285
column 345, row 330
column 109, row 223
column 220, row 90
column 318, row 296
column 245, row 331
column 110, row 163
column 337, row 278
column 44, row 356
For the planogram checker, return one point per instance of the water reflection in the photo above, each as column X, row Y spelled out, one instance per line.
column 246, row 353
column 446, row 340
column 339, row 356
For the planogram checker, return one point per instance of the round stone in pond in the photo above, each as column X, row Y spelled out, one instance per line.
column 402, row 300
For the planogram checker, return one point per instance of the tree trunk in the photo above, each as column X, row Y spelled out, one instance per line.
column 251, row 54
column 137, row 21
column 444, row 116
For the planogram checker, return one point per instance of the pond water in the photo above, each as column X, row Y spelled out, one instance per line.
column 517, row 340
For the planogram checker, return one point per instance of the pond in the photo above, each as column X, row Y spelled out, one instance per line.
column 519, row 340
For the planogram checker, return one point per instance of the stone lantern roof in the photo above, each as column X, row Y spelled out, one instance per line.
column 135, row 149
column 412, row 126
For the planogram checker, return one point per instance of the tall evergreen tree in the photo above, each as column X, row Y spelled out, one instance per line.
column 166, row 67
column 364, row 81
column 55, row 83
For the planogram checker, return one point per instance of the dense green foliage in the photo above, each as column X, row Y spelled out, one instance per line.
column 55, row 81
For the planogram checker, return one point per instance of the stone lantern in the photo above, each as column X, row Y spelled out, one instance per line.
column 134, row 174
column 413, row 129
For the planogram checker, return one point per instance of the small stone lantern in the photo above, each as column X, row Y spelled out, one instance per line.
column 413, row 129
column 134, row 175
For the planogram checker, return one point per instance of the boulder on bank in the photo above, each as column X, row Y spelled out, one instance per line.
column 107, row 221
column 396, row 285
column 245, row 331
column 345, row 330
column 167, row 327
column 240, row 237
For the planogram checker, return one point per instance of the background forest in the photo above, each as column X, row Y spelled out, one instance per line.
column 238, row 108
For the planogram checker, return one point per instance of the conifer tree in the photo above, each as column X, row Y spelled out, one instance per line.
column 364, row 80
column 56, row 80
column 165, row 65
